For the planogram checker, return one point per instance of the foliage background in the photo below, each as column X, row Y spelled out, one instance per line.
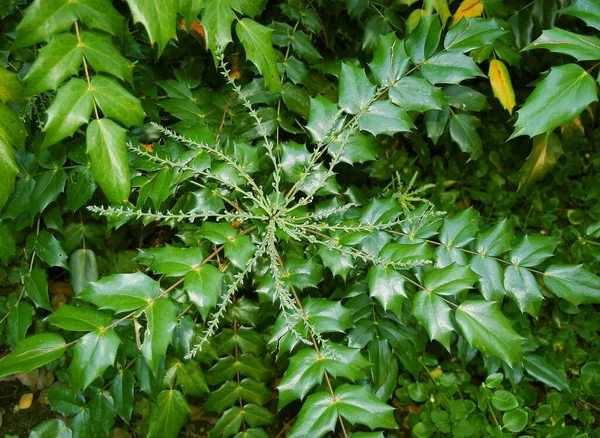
column 146, row 63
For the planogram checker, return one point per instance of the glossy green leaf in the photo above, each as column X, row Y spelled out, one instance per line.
column 12, row 89
column 460, row 229
column 191, row 380
column 84, row 269
column 587, row 10
column 328, row 316
column 19, row 320
column 203, row 286
column 491, row 281
column 92, row 355
column 216, row 21
column 390, row 61
column 32, row 353
column 556, row 100
column 547, row 150
column 55, row 62
column 356, row 91
column 100, row 14
column 450, row 280
column 159, row 19
column 12, row 129
column 472, row 33
column 573, row 283
column 531, row 251
column 304, row 273
column 103, row 56
column 422, row 42
column 522, row 286
column 108, row 156
column 70, row 109
column 504, row 400
column 405, row 253
column 416, row 94
column 122, row 391
column 168, row 415
column 53, row 428
column 43, row 19
column 464, row 133
column 256, row 40
column 8, row 171
column 324, row 119
column 515, row 420
column 318, row 416
column 387, row 286
column 450, row 68
column 581, row 47
column 495, row 240
column 542, row 371
column 161, row 321
column 432, row 312
column 488, row 330
column 171, row 261
column 116, row 102
column 79, row 319
column 36, row 287
column 383, row 117
column 50, row 250
column 122, row 292
column 307, row 368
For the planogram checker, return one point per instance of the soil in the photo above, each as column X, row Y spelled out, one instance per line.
column 19, row 422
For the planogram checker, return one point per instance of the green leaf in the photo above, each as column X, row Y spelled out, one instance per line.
column 12, row 89
column 464, row 133
column 70, row 109
column 515, row 420
column 359, row 148
column 406, row 253
column 307, row 368
column 49, row 249
column 256, row 40
column 581, row 47
column 103, row 56
column 218, row 233
column 168, row 414
column 488, row 330
column 32, row 353
column 587, row 10
column 491, row 279
column 504, row 400
column 203, row 286
column 248, row 7
column 55, row 62
column 450, row 68
column 42, row 19
column 318, row 416
column 19, row 320
column 416, row 94
column 216, row 20
column 422, row 42
column 385, row 118
column 79, row 319
column 556, row 100
column 304, row 273
column 460, row 229
column 84, row 269
column 36, row 286
column 116, row 102
column 190, row 378
column 573, row 283
column 496, row 240
column 122, row 391
column 108, row 157
column 328, row 316
column 358, row 406
column 432, row 312
column 390, row 61
column 160, row 315
column 7, row 242
column 122, row 292
column 8, row 171
column 531, row 251
column 542, row 371
column 12, row 129
column 324, row 119
column 171, row 261
column 100, row 14
column 53, row 428
column 472, row 33
column 547, row 150
column 65, row 400
column 92, row 355
column 159, row 19
column 450, row 280
column 355, row 91
column 524, row 289
column 387, row 287
column 239, row 250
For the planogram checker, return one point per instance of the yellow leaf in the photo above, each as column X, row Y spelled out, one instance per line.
column 501, row 85
column 25, row 401
column 468, row 9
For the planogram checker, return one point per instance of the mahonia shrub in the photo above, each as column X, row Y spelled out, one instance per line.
column 289, row 278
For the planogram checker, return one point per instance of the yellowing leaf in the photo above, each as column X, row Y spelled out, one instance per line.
column 25, row 401
column 468, row 9
column 502, row 85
